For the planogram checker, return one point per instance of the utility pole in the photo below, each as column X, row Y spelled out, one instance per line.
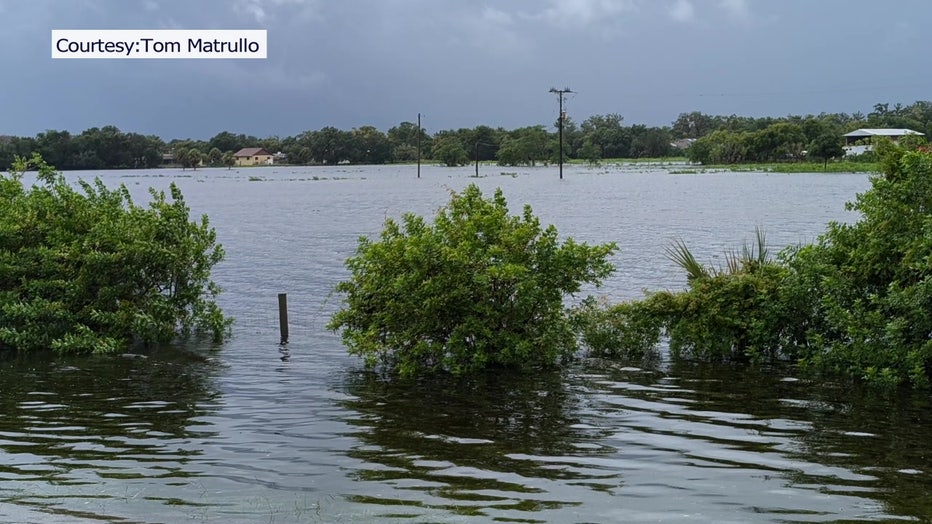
column 419, row 145
column 560, row 93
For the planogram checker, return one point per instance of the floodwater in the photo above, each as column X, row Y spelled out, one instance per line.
column 255, row 432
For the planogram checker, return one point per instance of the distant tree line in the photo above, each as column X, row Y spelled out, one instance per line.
column 95, row 148
column 701, row 137
column 733, row 139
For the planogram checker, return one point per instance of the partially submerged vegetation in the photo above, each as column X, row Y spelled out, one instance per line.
column 87, row 270
column 857, row 302
column 481, row 289
column 837, row 166
column 476, row 288
column 679, row 166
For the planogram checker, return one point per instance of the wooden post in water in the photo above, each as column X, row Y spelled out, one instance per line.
column 283, row 316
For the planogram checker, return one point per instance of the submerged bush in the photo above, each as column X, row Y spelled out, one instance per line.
column 476, row 288
column 89, row 271
column 628, row 330
column 733, row 313
column 857, row 302
column 867, row 286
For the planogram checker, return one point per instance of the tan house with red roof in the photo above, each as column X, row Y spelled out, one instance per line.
column 253, row 156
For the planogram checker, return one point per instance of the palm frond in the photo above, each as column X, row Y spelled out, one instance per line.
column 680, row 255
column 734, row 263
column 763, row 253
column 755, row 256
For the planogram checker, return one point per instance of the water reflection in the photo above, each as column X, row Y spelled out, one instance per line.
column 638, row 445
column 86, row 431
column 458, row 443
column 881, row 434
column 835, row 450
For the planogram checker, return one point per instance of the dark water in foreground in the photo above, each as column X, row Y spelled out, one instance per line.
column 251, row 432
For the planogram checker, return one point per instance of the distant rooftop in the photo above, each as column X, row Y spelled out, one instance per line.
column 251, row 151
column 882, row 132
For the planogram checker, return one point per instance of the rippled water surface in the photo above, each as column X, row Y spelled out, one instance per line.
column 252, row 432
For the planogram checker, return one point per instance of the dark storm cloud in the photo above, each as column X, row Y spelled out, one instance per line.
column 462, row 63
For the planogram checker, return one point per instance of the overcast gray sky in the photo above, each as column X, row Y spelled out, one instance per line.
column 462, row 63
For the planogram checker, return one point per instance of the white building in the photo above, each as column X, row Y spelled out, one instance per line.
column 852, row 147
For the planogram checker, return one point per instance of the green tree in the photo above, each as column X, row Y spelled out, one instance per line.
column 56, row 147
column 477, row 288
column 331, row 146
column 449, row 150
column 607, row 133
column 693, row 125
column 826, row 146
column 488, row 141
column 110, row 144
column 525, row 147
column 272, row 144
column 814, row 127
column 90, row 271
column 727, row 147
column 298, row 148
column 228, row 159
column 372, row 146
column 700, row 151
column 781, row 141
column 181, row 157
column 214, row 156
column 404, row 142
column 13, row 146
column 572, row 138
column 913, row 142
column 227, row 141
column 193, row 158
column 144, row 151
column 590, row 152
column 650, row 142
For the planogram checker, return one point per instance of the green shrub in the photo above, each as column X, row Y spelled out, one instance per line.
column 858, row 302
column 90, row 271
column 629, row 330
column 869, row 284
column 736, row 313
column 728, row 317
column 476, row 288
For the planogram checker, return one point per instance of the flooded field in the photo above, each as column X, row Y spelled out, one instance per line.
column 254, row 432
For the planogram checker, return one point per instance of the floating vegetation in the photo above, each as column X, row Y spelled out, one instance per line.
column 303, row 179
